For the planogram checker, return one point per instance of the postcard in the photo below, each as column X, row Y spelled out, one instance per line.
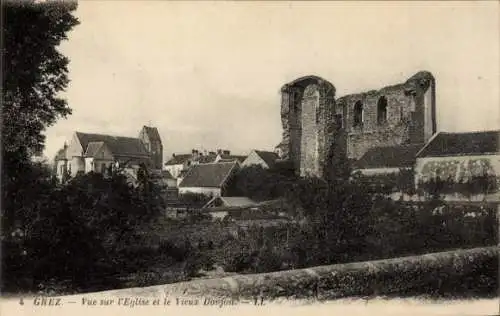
column 270, row 157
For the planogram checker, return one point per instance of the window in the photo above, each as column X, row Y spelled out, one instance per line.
column 358, row 114
column 318, row 113
column 338, row 121
column 382, row 110
column 103, row 168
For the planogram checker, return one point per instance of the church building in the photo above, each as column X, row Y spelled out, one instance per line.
column 88, row 152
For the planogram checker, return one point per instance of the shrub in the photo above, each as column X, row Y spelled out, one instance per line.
column 179, row 253
column 239, row 263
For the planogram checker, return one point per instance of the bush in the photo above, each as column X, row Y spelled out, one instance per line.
column 178, row 253
column 74, row 232
column 241, row 262
column 267, row 260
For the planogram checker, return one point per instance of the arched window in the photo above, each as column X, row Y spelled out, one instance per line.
column 358, row 114
column 382, row 110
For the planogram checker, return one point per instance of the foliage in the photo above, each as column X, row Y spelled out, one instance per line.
column 402, row 181
column 484, row 184
column 33, row 71
column 194, row 200
column 261, row 184
column 88, row 221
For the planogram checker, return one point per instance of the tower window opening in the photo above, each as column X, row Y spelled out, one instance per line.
column 382, row 110
column 358, row 114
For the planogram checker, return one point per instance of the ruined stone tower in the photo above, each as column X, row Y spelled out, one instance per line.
column 313, row 121
column 307, row 110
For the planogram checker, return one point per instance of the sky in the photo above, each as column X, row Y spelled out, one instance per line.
column 208, row 74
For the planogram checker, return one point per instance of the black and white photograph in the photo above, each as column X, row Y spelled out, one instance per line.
column 242, row 157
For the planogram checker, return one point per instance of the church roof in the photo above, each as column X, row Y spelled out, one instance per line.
column 118, row 145
column 459, row 144
column 93, row 148
column 210, row 175
column 152, row 133
column 399, row 156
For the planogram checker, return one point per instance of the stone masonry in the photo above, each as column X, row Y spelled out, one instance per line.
column 313, row 120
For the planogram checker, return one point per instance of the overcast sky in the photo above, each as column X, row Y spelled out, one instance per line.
column 208, row 74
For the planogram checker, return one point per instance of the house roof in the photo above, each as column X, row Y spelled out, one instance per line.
column 118, row 145
column 458, row 144
column 269, row 157
column 178, row 159
column 233, row 201
column 164, row 174
column 93, row 148
column 400, row 156
column 212, row 175
column 228, row 158
column 152, row 133
column 206, row 158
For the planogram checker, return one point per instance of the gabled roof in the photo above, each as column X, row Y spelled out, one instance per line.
column 206, row 158
column 164, row 174
column 178, row 159
column 400, row 156
column 239, row 158
column 269, row 157
column 167, row 175
column 459, row 144
column 233, row 201
column 93, row 148
column 152, row 133
column 118, row 145
column 209, row 175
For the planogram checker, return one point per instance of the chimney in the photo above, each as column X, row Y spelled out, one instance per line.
column 226, row 152
column 219, row 151
column 212, row 153
column 173, row 155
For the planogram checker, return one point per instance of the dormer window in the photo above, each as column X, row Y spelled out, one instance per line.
column 358, row 114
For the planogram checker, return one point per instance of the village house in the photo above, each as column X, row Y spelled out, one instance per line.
column 265, row 159
column 387, row 160
column 210, row 179
column 179, row 164
column 463, row 166
column 101, row 153
column 220, row 207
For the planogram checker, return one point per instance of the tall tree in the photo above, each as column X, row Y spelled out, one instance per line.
column 33, row 74
column 34, row 71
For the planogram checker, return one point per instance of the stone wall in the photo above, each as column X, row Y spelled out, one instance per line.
column 313, row 121
column 333, row 281
column 307, row 107
column 409, row 119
